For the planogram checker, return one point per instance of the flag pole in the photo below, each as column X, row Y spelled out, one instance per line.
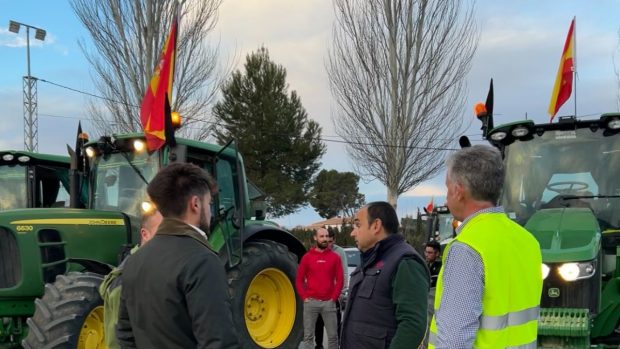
column 575, row 62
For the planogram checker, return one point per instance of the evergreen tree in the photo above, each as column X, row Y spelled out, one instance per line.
column 280, row 145
column 336, row 193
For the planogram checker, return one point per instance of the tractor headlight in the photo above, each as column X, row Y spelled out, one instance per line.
column 147, row 207
column 7, row 157
column 576, row 271
column 23, row 158
column 520, row 131
column 614, row 124
column 90, row 152
column 139, row 145
column 545, row 271
column 498, row 136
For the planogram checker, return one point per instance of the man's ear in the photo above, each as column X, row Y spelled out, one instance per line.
column 193, row 205
column 143, row 234
column 377, row 226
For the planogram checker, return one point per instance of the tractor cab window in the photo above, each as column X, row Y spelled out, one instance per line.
column 562, row 169
column 579, row 184
column 118, row 185
column 444, row 226
column 52, row 186
column 225, row 182
column 13, row 190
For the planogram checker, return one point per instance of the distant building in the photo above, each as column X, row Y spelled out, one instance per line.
column 334, row 222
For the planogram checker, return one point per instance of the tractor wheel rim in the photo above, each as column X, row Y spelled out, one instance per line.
column 270, row 307
column 92, row 331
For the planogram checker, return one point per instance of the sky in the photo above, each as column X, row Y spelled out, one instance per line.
column 520, row 43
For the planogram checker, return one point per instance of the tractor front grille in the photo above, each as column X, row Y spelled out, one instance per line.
column 10, row 263
column 53, row 259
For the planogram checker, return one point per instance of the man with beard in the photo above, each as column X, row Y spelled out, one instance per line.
column 319, row 282
column 175, row 293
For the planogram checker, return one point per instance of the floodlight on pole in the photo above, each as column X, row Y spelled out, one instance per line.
column 31, row 122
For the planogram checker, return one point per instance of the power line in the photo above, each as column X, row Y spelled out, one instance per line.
column 86, row 93
column 324, row 138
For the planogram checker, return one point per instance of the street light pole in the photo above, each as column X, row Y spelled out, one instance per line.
column 31, row 122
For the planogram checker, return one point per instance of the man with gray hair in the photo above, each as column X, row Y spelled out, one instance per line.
column 488, row 292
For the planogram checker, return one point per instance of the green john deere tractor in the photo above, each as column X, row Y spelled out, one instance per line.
column 562, row 185
column 61, row 255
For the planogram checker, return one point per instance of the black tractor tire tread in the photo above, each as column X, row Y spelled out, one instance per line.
column 60, row 313
column 260, row 254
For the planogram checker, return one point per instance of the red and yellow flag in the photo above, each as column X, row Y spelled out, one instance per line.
column 155, row 109
column 430, row 205
column 564, row 80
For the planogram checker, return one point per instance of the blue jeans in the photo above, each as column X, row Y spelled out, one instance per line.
column 327, row 309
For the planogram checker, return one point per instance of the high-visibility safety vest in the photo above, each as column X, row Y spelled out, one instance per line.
column 512, row 282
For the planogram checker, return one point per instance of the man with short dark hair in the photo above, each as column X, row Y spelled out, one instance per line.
column 431, row 254
column 187, row 304
column 488, row 292
column 388, row 293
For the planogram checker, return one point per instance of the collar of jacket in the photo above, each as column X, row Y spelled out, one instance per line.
column 369, row 257
column 176, row 227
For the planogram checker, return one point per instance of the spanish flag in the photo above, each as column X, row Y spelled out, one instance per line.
column 564, row 80
column 155, row 112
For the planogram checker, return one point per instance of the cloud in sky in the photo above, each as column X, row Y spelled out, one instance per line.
column 10, row 39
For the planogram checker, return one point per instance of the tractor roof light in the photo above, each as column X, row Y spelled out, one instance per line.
column 8, row 157
column 90, row 152
column 175, row 118
column 139, row 145
column 613, row 124
column 545, row 271
column 498, row 136
column 520, row 131
column 23, row 158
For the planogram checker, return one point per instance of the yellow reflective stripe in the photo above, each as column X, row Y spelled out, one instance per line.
column 432, row 339
column 510, row 319
column 531, row 345
column 70, row 221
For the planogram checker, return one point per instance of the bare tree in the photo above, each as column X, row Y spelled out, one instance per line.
column 127, row 39
column 397, row 70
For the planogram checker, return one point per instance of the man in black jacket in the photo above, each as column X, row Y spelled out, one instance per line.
column 175, row 293
column 388, row 292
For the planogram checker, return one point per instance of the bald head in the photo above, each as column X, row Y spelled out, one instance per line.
column 321, row 237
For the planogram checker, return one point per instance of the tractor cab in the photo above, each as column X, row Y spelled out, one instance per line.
column 30, row 180
column 561, row 185
column 120, row 168
column 440, row 225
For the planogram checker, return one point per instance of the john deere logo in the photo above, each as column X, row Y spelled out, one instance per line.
column 554, row 292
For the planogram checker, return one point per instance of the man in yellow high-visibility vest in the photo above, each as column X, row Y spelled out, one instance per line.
column 488, row 292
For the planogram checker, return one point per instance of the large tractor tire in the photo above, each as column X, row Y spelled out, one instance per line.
column 69, row 316
column 266, row 309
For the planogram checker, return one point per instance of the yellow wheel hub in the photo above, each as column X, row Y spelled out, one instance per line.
column 91, row 334
column 270, row 308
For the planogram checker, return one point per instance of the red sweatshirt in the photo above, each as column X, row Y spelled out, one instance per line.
column 319, row 275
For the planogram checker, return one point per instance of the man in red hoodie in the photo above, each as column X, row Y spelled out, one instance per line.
column 319, row 282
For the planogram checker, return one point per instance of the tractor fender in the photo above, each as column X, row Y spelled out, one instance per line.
column 92, row 265
column 254, row 232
